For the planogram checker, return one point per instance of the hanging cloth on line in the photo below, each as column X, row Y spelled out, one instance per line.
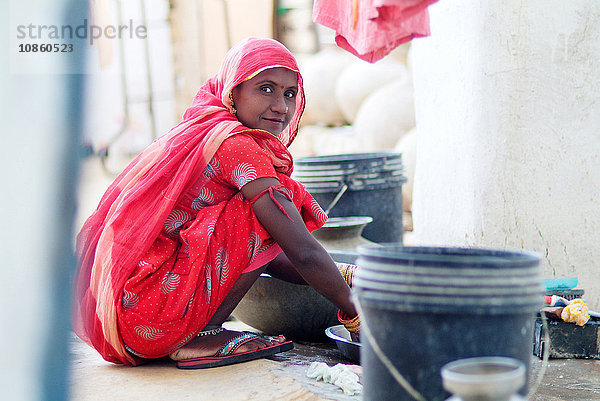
column 370, row 29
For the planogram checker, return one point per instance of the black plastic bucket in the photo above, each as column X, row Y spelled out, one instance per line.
column 428, row 306
column 370, row 184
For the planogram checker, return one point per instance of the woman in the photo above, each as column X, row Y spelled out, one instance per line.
column 186, row 229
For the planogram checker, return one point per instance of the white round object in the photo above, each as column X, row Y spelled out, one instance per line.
column 400, row 53
column 360, row 79
column 407, row 145
column 320, row 73
column 337, row 140
column 386, row 115
column 303, row 144
column 409, row 62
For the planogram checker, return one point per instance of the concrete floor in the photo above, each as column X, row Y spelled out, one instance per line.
column 568, row 380
column 281, row 377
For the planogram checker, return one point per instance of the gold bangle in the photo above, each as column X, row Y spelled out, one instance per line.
column 347, row 271
column 352, row 325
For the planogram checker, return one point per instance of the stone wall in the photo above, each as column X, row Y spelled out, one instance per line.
column 508, row 114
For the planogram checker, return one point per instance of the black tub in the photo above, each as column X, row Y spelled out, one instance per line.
column 426, row 307
column 370, row 184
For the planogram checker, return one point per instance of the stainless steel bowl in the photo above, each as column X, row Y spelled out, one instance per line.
column 348, row 348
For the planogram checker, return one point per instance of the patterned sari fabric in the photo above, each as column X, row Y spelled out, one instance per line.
column 172, row 233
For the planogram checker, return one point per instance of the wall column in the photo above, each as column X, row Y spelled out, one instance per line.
column 507, row 99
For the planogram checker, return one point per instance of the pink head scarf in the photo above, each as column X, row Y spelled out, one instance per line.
column 132, row 211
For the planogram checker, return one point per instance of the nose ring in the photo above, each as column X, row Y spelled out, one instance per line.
column 286, row 109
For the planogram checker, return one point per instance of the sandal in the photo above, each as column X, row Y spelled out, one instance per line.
column 226, row 356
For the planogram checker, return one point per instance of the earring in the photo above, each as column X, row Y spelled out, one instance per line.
column 233, row 110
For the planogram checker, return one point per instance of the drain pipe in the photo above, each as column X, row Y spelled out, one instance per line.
column 103, row 152
column 226, row 23
column 149, row 72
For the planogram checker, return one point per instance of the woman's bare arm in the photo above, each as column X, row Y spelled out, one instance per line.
column 305, row 253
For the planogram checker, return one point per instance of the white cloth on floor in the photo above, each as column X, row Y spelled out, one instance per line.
column 341, row 375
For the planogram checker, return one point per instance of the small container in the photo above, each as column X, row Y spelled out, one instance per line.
column 560, row 284
column 484, row 379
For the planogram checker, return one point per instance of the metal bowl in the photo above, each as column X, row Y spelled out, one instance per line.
column 298, row 312
column 348, row 348
column 343, row 233
column 276, row 307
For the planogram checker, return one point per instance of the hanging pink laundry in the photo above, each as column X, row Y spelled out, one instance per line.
column 370, row 29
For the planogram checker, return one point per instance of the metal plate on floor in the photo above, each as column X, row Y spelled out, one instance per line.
column 348, row 348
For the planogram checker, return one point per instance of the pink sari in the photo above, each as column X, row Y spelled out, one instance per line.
column 371, row 29
column 133, row 211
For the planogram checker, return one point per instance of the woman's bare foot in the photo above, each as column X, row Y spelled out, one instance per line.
column 209, row 345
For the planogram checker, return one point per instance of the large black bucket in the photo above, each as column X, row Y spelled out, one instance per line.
column 426, row 307
column 370, row 184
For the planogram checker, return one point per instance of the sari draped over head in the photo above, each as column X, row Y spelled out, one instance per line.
column 133, row 210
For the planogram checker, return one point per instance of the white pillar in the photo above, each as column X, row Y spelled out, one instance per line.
column 39, row 101
column 507, row 98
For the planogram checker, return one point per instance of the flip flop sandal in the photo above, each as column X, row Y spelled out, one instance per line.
column 226, row 356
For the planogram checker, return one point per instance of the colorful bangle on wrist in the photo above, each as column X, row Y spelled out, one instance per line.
column 347, row 271
column 352, row 325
